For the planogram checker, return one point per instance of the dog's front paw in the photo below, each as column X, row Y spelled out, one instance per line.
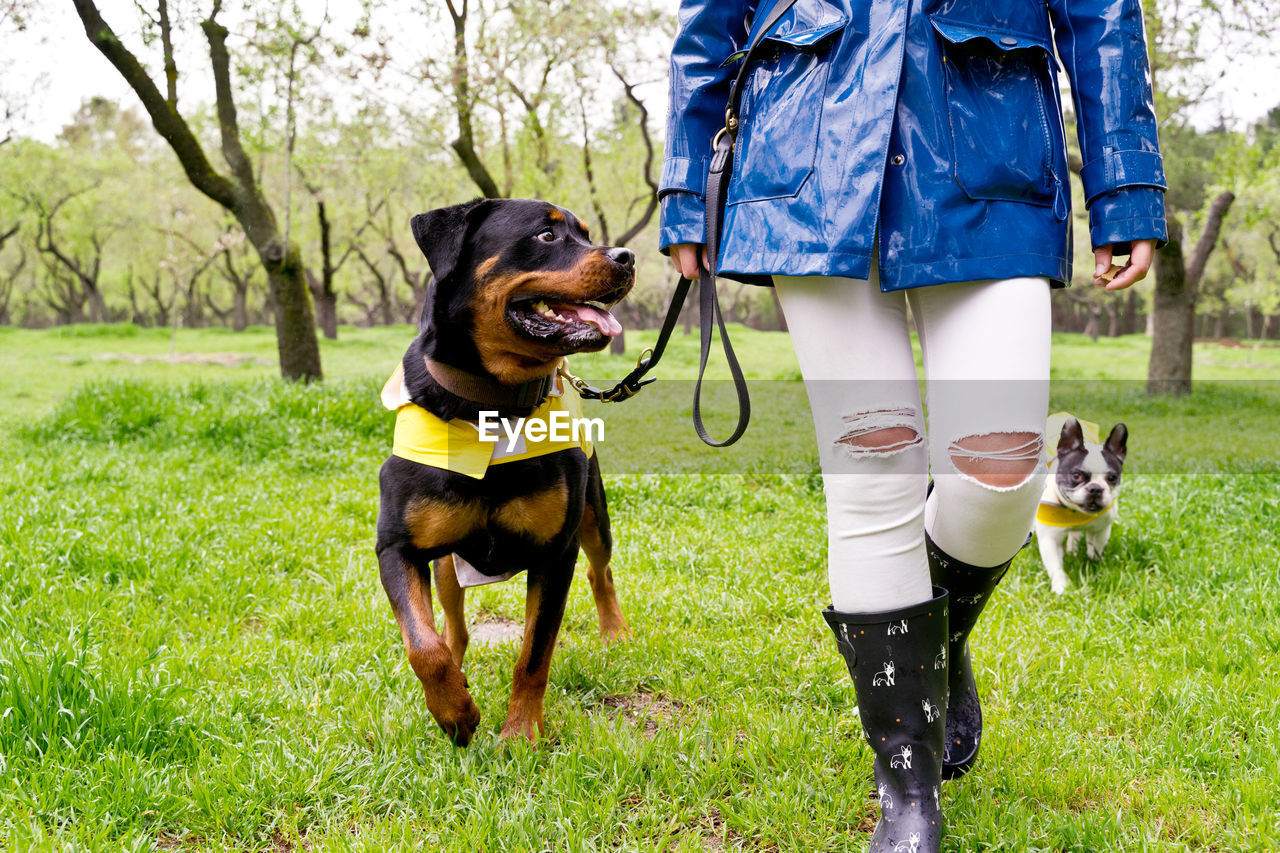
column 453, row 708
column 615, row 631
column 526, row 727
column 1058, row 585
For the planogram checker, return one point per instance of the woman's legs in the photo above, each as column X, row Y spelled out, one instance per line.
column 854, row 350
column 986, row 362
column 986, row 359
column 986, row 352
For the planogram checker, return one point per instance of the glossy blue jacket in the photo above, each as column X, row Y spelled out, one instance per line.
column 934, row 126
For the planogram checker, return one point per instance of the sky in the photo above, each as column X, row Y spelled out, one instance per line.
column 54, row 68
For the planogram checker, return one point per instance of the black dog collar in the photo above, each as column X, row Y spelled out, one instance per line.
column 483, row 390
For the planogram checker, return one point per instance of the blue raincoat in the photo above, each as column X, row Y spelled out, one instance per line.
column 927, row 131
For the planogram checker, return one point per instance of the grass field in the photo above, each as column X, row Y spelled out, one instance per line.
column 196, row 653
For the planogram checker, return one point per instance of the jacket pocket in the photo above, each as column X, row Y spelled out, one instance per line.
column 781, row 107
column 1006, row 125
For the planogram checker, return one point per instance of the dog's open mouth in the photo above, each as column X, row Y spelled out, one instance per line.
column 547, row 317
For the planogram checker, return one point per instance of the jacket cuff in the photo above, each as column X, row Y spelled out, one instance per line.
column 1127, row 214
column 683, row 220
column 683, row 174
column 1117, row 169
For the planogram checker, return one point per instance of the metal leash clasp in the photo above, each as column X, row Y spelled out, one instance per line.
column 624, row 390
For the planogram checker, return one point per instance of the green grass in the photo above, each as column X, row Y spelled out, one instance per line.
column 195, row 651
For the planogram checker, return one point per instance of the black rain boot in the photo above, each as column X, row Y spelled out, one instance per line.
column 970, row 587
column 898, row 662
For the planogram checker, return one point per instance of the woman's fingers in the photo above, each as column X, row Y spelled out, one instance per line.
column 685, row 257
column 1113, row 277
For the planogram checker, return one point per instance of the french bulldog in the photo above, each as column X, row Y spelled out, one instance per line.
column 1079, row 495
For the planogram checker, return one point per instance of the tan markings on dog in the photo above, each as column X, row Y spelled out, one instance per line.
column 409, row 589
column 452, row 596
column 586, row 232
column 524, row 711
column 509, row 357
column 433, row 522
column 539, row 515
column 555, row 215
column 613, row 625
column 486, row 267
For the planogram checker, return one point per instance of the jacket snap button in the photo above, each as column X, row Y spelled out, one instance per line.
column 1009, row 41
column 897, row 159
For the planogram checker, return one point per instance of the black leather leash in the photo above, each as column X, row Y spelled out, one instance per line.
column 718, row 175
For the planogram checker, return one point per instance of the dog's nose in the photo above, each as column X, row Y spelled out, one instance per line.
column 1094, row 490
column 625, row 257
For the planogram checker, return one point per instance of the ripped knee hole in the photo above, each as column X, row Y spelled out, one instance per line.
column 999, row 459
column 880, row 432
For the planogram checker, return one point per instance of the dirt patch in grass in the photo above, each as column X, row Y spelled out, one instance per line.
column 221, row 359
column 495, row 631
column 717, row 835
column 650, row 711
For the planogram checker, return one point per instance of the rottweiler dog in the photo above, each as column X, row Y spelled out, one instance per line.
column 518, row 285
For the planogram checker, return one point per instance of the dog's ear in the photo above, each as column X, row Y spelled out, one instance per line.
column 441, row 234
column 1072, row 437
column 428, row 299
column 1117, row 441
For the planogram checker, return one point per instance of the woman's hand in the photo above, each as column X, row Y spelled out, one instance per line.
column 684, row 257
column 1141, row 253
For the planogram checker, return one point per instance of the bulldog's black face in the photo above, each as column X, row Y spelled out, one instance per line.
column 1087, row 476
column 520, row 283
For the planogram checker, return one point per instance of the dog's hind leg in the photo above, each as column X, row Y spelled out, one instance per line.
column 597, row 544
column 452, row 596
column 408, row 586
column 547, row 592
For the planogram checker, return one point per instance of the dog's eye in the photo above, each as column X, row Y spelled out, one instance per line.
column 547, row 236
column 1077, row 477
column 1111, row 478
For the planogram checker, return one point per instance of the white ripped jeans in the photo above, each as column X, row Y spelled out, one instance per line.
column 985, row 347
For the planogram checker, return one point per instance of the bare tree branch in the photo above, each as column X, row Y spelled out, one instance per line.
column 164, row 116
column 643, row 123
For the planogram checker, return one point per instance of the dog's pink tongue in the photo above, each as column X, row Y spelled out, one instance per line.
column 602, row 320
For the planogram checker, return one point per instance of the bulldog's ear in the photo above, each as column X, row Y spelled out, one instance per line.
column 1072, row 437
column 1117, row 441
column 441, row 234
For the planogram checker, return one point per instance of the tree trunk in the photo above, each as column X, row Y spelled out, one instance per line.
column 1129, row 323
column 240, row 192
column 326, row 306
column 239, row 309
column 1220, row 323
column 1177, row 280
column 97, row 305
column 1169, row 370
column 327, row 314
column 294, row 321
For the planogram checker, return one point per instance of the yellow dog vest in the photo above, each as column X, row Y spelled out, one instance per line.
column 456, row 446
column 1057, row 515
